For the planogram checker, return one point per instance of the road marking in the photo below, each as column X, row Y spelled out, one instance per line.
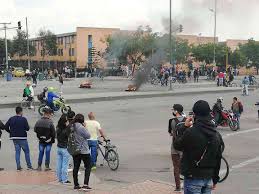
column 241, row 165
column 240, row 132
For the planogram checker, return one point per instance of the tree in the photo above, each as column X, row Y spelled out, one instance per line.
column 133, row 48
column 2, row 49
column 49, row 45
column 251, row 52
column 19, row 45
column 205, row 52
column 236, row 58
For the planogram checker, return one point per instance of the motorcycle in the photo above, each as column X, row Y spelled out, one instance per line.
column 228, row 119
column 59, row 104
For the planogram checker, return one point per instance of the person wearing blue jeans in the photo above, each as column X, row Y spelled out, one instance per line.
column 94, row 129
column 237, row 109
column 44, row 147
column 17, row 126
column 18, row 145
column 63, row 131
column 197, row 186
column 93, row 147
column 45, row 130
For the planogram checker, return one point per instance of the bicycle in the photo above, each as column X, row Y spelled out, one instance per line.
column 27, row 104
column 109, row 153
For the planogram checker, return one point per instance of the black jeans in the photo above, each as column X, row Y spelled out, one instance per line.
column 87, row 163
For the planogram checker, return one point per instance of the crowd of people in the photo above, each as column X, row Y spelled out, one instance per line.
column 72, row 131
column 197, row 146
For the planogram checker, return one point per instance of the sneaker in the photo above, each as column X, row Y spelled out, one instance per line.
column 30, row 168
column 39, row 168
column 48, row 169
column 77, row 187
column 86, row 188
column 178, row 190
column 1, row 169
column 93, row 168
column 19, row 169
column 67, row 182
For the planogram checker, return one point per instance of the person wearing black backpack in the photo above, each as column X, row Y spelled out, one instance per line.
column 179, row 117
column 202, row 148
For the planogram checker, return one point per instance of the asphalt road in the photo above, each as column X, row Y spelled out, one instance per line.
column 139, row 128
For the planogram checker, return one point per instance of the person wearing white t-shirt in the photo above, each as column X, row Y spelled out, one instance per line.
column 94, row 128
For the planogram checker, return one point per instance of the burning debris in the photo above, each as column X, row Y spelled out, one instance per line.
column 131, row 88
column 86, row 84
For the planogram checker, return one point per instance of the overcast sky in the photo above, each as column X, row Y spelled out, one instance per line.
column 237, row 19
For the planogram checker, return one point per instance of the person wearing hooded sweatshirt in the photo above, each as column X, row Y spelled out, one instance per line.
column 202, row 148
column 179, row 117
column 81, row 135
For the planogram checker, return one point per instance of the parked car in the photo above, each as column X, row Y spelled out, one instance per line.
column 18, row 72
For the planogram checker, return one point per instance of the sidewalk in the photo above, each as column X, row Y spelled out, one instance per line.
column 32, row 182
column 110, row 96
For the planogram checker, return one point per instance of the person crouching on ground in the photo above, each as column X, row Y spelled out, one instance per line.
column 176, row 155
column 202, row 148
column 45, row 130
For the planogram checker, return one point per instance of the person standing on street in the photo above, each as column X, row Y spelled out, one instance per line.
column 94, row 128
column 202, row 148
column 176, row 155
column 34, row 77
column 81, row 136
column 2, row 127
column 61, row 82
column 196, row 75
column 245, row 83
column 17, row 126
column 237, row 109
column 45, row 130
column 63, row 131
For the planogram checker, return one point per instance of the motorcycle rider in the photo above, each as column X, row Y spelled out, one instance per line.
column 42, row 97
column 51, row 96
column 217, row 110
column 28, row 93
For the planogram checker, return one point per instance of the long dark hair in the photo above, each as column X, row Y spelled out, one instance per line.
column 62, row 122
column 79, row 118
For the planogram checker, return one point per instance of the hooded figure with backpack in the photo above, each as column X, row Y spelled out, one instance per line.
column 79, row 149
column 179, row 118
column 202, row 148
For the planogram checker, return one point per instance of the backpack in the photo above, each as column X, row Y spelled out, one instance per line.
column 178, row 129
column 72, row 148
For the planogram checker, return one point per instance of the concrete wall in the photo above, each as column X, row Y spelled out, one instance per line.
column 99, row 36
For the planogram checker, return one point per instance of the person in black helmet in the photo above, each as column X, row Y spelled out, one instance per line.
column 179, row 117
column 202, row 148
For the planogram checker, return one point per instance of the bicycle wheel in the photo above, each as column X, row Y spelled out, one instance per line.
column 112, row 159
column 224, row 173
column 24, row 104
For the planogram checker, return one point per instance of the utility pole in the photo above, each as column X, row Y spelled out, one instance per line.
column 215, row 31
column 6, row 48
column 170, row 42
column 28, row 46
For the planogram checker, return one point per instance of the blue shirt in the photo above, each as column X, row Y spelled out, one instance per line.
column 17, row 126
column 51, row 96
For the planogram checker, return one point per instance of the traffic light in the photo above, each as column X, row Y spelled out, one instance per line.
column 19, row 25
column 181, row 28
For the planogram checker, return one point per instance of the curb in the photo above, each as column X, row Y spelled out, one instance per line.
column 129, row 97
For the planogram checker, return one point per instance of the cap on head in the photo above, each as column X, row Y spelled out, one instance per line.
column 178, row 108
column 201, row 108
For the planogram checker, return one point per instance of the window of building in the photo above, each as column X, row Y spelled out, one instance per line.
column 61, row 52
column 72, row 39
column 73, row 52
column 61, row 40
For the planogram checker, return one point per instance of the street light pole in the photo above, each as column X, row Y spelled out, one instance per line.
column 28, row 46
column 170, row 42
column 6, row 48
column 215, row 31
